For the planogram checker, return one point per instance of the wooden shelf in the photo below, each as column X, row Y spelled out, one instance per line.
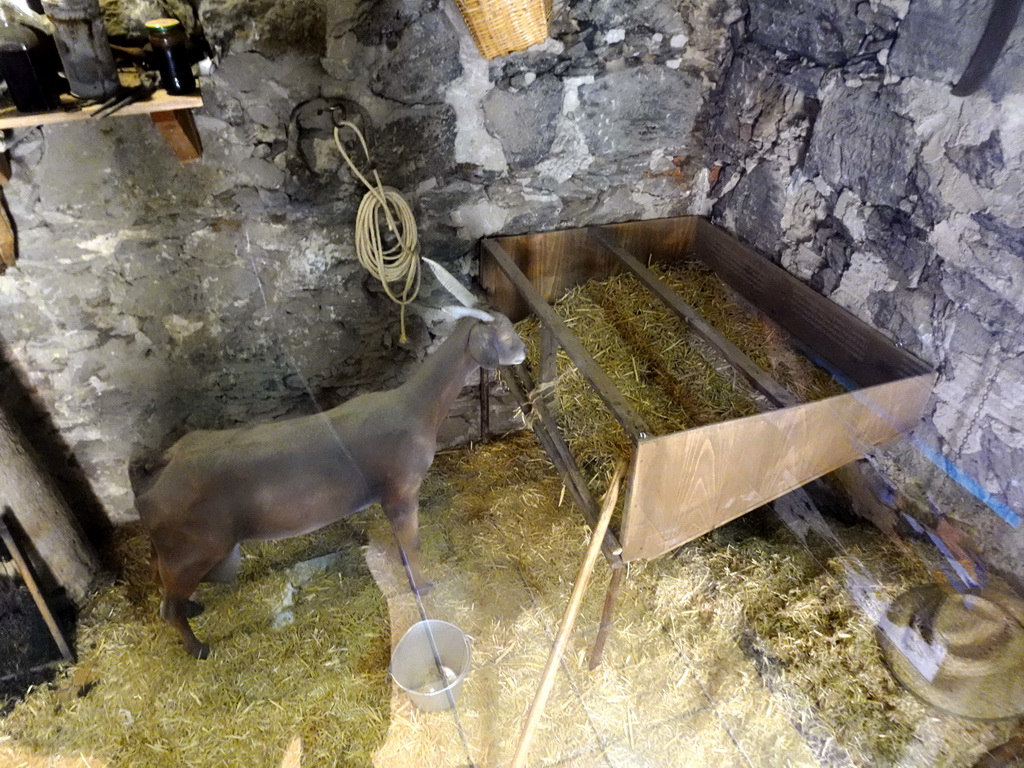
column 172, row 115
column 160, row 101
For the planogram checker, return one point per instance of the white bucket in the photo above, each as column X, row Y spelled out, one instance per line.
column 416, row 660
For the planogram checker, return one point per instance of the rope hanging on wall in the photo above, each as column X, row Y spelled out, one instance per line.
column 384, row 207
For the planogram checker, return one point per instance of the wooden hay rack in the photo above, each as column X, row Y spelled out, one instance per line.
column 685, row 484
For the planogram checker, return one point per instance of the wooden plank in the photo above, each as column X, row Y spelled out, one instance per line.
column 546, row 429
column 861, row 354
column 752, row 372
column 691, row 482
column 160, row 101
column 668, row 240
column 33, row 588
column 620, row 408
column 179, row 129
column 8, row 240
column 553, row 262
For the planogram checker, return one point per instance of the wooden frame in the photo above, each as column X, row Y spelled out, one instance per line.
column 171, row 114
column 687, row 483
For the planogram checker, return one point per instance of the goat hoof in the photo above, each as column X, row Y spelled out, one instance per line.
column 193, row 609
column 200, row 651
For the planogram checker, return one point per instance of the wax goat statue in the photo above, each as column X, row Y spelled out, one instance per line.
column 213, row 489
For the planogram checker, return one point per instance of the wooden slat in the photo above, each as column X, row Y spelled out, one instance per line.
column 691, row 482
column 160, row 101
column 546, row 429
column 33, row 588
column 729, row 351
column 179, row 129
column 861, row 354
column 626, row 415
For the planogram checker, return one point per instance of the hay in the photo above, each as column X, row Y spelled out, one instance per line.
column 671, row 377
column 748, row 647
column 135, row 698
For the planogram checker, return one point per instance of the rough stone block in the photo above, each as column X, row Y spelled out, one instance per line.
column 862, row 143
column 424, row 60
column 525, row 122
column 823, row 31
column 637, row 111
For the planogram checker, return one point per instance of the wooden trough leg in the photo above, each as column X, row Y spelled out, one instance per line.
column 485, row 405
column 606, row 617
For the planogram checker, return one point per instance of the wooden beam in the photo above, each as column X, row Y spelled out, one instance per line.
column 546, row 429
column 33, row 588
column 746, row 367
column 160, row 101
column 626, row 415
column 179, row 128
column 863, row 355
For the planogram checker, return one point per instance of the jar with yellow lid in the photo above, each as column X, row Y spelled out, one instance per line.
column 170, row 55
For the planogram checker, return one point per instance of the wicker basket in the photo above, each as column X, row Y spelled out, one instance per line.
column 503, row 26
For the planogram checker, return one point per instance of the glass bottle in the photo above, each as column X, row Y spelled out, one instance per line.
column 170, row 55
column 27, row 63
column 83, row 46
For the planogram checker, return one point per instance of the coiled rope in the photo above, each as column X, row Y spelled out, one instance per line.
column 383, row 206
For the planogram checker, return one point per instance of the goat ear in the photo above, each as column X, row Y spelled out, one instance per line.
column 483, row 346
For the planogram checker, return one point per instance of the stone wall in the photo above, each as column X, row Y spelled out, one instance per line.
column 153, row 297
column 845, row 158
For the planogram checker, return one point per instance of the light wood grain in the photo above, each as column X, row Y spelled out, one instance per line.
column 160, row 101
column 179, row 129
column 685, row 484
column 691, row 482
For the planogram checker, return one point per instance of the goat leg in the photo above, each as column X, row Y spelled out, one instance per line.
column 174, row 610
column 403, row 514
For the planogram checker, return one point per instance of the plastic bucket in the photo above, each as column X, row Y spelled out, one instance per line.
column 415, row 662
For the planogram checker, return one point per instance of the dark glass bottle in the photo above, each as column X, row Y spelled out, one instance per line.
column 28, row 63
column 170, row 55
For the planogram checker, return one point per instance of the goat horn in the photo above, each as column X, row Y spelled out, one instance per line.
column 453, row 286
column 460, row 312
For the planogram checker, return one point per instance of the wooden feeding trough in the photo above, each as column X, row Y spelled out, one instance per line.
column 684, row 484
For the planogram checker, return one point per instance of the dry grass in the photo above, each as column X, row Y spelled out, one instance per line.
column 136, row 699
column 672, row 378
column 747, row 647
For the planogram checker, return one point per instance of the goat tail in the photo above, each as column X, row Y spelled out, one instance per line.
column 143, row 471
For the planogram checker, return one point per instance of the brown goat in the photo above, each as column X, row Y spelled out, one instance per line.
column 216, row 489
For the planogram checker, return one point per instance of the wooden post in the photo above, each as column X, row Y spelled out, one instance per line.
column 8, row 241
column 33, row 588
column 485, row 405
column 44, row 516
column 179, row 128
column 547, row 679
column 606, row 617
